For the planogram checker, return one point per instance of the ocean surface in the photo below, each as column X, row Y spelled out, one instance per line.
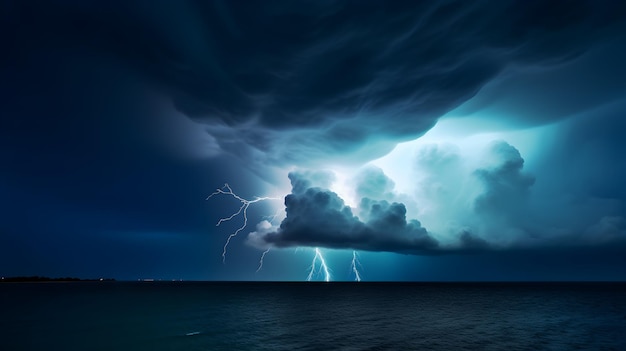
column 312, row 316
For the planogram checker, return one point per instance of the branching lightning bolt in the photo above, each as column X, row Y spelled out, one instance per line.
column 355, row 266
column 243, row 210
column 323, row 267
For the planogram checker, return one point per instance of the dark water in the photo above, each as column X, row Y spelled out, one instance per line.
column 275, row 316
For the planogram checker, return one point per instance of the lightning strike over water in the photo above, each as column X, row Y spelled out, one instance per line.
column 318, row 266
column 323, row 267
column 243, row 210
column 355, row 266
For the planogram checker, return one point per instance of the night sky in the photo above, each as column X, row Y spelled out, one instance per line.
column 400, row 140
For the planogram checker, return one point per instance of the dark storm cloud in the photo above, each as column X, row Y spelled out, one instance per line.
column 321, row 77
column 345, row 75
column 535, row 97
column 470, row 242
column 318, row 217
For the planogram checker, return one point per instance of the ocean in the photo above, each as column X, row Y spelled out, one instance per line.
column 312, row 316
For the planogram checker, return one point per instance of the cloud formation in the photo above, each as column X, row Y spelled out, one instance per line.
column 506, row 186
column 497, row 200
column 318, row 217
column 485, row 203
column 294, row 83
column 353, row 79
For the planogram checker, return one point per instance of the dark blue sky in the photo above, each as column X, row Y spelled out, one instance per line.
column 443, row 140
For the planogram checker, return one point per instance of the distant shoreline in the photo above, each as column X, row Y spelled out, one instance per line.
column 38, row 279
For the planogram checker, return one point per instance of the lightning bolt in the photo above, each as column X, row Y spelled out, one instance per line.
column 323, row 267
column 243, row 210
column 271, row 220
column 355, row 266
column 261, row 260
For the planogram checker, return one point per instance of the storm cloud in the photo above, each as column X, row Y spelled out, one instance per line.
column 120, row 117
column 319, row 217
column 292, row 83
column 349, row 80
column 479, row 205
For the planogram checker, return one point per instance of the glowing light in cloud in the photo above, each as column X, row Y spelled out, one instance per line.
column 467, row 139
column 471, row 135
column 342, row 185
